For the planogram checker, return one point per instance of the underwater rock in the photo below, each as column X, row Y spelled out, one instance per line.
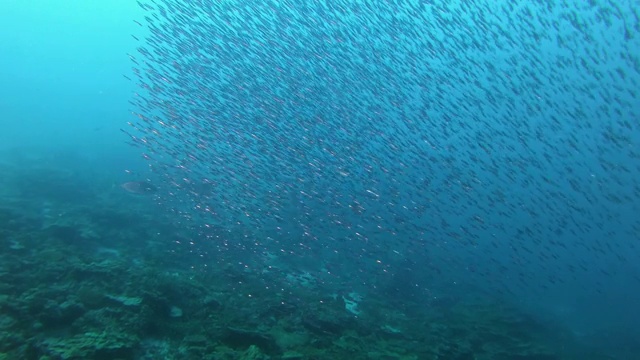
column 319, row 326
column 253, row 353
column 125, row 300
column 196, row 345
column 388, row 355
column 533, row 357
column 292, row 355
column 196, row 340
column 55, row 314
column 391, row 332
column 212, row 303
column 175, row 312
column 351, row 302
column 237, row 338
column 325, row 324
column 64, row 232
column 90, row 345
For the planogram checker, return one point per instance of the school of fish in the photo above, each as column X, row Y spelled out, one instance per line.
column 494, row 142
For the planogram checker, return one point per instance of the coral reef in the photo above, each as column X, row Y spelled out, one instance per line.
column 91, row 279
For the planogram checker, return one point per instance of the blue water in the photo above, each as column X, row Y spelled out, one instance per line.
column 411, row 149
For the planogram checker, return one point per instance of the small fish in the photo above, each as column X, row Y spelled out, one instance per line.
column 139, row 187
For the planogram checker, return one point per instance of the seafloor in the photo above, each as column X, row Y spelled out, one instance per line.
column 88, row 271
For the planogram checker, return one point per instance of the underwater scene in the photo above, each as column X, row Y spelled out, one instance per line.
column 320, row 179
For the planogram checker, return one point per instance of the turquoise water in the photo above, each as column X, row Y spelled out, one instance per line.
column 319, row 180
